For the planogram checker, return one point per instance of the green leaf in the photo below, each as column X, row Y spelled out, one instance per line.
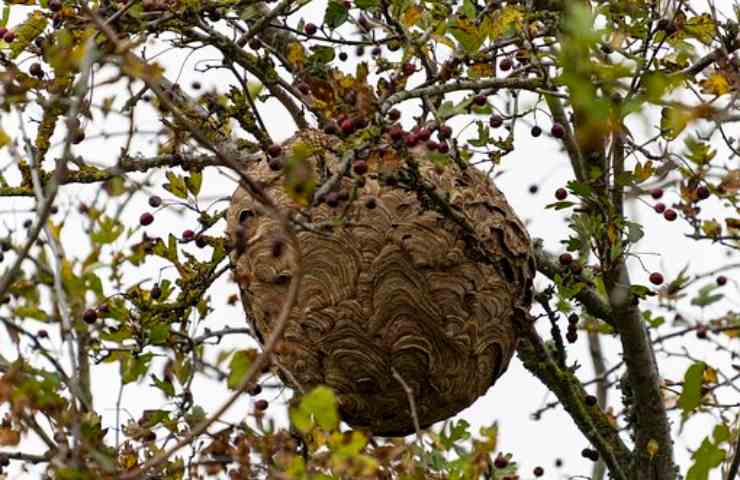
column 238, row 367
column 176, row 185
column 108, row 232
column 706, row 458
column 365, row 4
column 634, row 232
column 701, row 27
column 321, row 55
column 318, row 407
column 690, row 397
column 705, row 297
column 159, row 333
column 134, row 367
column 27, row 32
column 167, row 388
column 194, row 182
column 336, row 14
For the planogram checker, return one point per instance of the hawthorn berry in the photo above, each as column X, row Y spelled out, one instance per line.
column 561, row 194
column 495, row 121
column 443, row 147
column 156, row 292
column 565, row 259
column 533, row 189
column 536, row 131
column 343, row 56
column 255, row 390
column 656, row 193
column 155, row 201
column 721, row 280
column 396, row 133
column 702, row 193
column 360, row 167
column 408, row 68
column 444, row 132
column 146, row 218
column 506, row 64
column 659, row 207
column 54, row 5
column 670, row 215
column 200, row 242
column 274, row 150
column 394, row 115
column 89, row 316
column 9, row 36
column 310, row 29
column 480, row 100
column 188, row 234
column 656, row 278
column 702, row 332
column 501, row 462
column 557, row 131
column 538, row 471
column 36, row 70
column 275, row 164
column 347, row 126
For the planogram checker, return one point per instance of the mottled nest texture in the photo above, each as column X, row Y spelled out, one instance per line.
column 392, row 285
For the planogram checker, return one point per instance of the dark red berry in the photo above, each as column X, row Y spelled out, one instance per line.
column 444, row 132
column 573, row 319
column 347, row 126
column 310, row 29
column 396, row 133
column 557, row 131
column 408, row 68
column 155, row 201
column 424, row 134
column 274, row 150
column 659, row 207
column 36, row 70
column 89, row 316
column 261, row 405
column 343, row 56
column 480, row 100
column 536, row 131
column 656, row 193
column 9, row 36
column 501, row 462
column 394, row 115
column 721, row 280
column 42, row 334
column 376, row 51
column 332, row 199
column 538, row 471
column 360, row 167
column 495, row 121
column 188, row 235
column 443, row 148
column 590, row 400
column 565, row 259
column 506, row 64
column 54, row 5
column 255, row 390
column 702, row 193
column 670, row 215
column 702, row 332
column 146, row 218
column 156, row 292
column 561, row 194
column 656, row 278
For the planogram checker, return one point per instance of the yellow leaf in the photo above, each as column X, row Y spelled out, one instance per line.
column 716, row 84
column 504, row 21
column 296, row 54
column 710, row 375
column 411, row 16
column 4, row 138
column 652, row 448
column 481, row 70
column 643, row 172
column 9, row 437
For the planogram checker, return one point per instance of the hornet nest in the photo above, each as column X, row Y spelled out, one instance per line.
column 414, row 269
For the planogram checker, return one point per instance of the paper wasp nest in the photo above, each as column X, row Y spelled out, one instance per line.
column 401, row 286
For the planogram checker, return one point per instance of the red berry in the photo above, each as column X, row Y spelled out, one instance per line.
column 501, row 462
column 506, row 64
column 9, row 36
column 656, row 193
column 444, row 132
column 89, row 316
column 424, row 134
column 146, row 218
column 702, row 332
column 310, row 29
column 721, row 280
column 155, row 201
column 656, row 278
column 261, row 405
column 408, row 68
column 343, row 56
column 36, row 70
column 360, row 167
column 254, row 391
column 188, row 234
column 443, row 148
column 557, row 131
column 55, row 5
column 347, row 126
column 538, row 471
column 495, row 121
column 274, row 150
column 480, row 100
column 565, row 259
column 702, row 193
column 411, row 140
column 670, row 215
column 396, row 133
column 394, row 115
column 561, row 194
column 659, row 207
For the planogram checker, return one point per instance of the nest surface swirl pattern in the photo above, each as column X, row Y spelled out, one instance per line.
column 397, row 287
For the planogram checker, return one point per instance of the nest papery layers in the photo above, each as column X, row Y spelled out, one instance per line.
column 399, row 287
